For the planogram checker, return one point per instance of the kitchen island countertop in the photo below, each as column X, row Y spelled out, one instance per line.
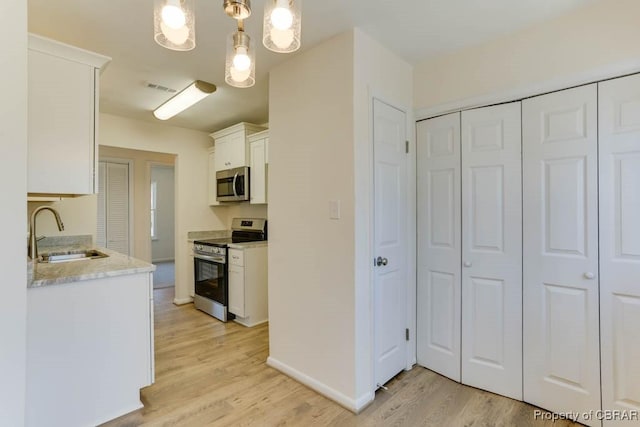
column 116, row 264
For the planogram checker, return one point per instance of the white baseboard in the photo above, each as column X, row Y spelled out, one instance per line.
column 162, row 260
column 353, row 405
column 182, row 301
column 243, row 322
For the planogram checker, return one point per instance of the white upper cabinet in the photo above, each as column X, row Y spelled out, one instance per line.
column 232, row 145
column 258, row 146
column 62, row 114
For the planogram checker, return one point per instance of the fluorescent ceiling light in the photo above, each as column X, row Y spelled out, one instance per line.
column 192, row 94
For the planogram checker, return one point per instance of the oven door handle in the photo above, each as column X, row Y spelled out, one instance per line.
column 218, row 259
column 235, row 193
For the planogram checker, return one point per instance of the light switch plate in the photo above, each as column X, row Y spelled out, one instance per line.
column 334, row 209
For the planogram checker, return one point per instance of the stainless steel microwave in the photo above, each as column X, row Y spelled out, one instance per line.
column 232, row 185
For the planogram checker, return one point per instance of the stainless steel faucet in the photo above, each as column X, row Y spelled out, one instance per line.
column 33, row 246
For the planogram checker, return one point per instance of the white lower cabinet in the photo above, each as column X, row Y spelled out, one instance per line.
column 89, row 349
column 529, row 262
column 248, row 285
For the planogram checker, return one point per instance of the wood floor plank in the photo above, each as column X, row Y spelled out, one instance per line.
column 210, row 373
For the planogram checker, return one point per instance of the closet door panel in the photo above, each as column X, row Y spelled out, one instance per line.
column 619, row 153
column 560, row 251
column 492, row 249
column 439, row 299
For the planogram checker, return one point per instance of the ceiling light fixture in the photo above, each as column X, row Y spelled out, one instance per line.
column 192, row 94
column 281, row 27
column 174, row 24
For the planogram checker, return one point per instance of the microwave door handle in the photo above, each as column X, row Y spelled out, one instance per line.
column 235, row 177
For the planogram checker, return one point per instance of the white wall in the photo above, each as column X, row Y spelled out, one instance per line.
column 377, row 73
column 311, row 257
column 13, row 185
column 163, row 247
column 591, row 39
column 190, row 148
column 78, row 214
column 320, row 296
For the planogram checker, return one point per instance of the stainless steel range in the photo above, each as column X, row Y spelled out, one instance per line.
column 211, row 266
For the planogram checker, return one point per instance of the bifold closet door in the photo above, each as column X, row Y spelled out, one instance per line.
column 560, row 251
column 619, row 145
column 439, row 263
column 492, row 249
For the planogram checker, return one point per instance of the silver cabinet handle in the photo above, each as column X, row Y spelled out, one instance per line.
column 381, row 261
column 589, row 275
column 468, row 264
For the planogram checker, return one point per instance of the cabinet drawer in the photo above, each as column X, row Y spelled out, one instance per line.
column 236, row 257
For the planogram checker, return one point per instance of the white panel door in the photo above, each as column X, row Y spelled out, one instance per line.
column 439, row 262
column 560, row 252
column 492, row 249
column 390, row 241
column 619, row 119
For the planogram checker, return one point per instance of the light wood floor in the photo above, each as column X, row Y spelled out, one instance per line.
column 212, row 373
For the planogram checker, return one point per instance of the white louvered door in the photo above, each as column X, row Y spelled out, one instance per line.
column 560, row 251
column 492, row 249
column 113, row 207
column 439, row 263
column 619, row 147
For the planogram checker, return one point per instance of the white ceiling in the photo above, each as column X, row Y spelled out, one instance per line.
column 123, row 29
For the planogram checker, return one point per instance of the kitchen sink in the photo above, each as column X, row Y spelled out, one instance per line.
column 79, row 255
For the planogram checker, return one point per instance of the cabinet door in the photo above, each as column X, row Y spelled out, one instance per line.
column 619, row 118
column 236, row 290
column 61, row 125
column 231, row 151
column 258, row 187
column 439, row 263
column 560, row 252
column 492, row 249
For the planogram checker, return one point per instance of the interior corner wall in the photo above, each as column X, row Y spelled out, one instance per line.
column 13, row 184
column 191, row 174
column 311, row 257
column 591, row 38
column 378, row 73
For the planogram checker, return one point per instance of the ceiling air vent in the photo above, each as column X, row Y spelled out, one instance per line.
column 160, row 87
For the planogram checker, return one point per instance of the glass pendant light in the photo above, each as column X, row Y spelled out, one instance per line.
column 240, row 67
column 282, row 23
column 174, row 24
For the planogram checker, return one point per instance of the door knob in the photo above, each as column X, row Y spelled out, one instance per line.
column 589, row 275
column 381, row 261
column 468, row 264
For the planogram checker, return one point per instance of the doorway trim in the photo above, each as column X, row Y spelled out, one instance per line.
column 149, row 165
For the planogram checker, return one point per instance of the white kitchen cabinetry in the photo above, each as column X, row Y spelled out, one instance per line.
column 62, row 112
column 248, row 285
column 89, row 349
column 232, row 145
column 258, row 144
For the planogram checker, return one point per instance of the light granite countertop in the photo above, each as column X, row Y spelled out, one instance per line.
column 248, row 245
column 116, row 264
column 210, row 234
